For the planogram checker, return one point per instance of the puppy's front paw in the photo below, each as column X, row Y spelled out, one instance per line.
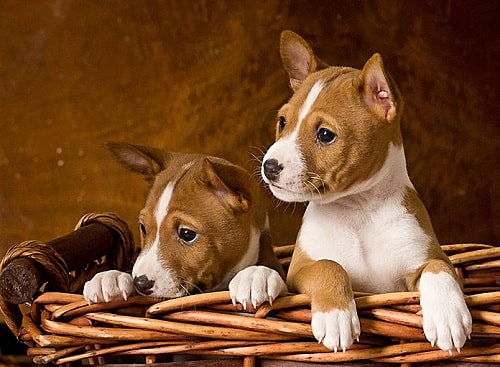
column 107, row 286
column 447, row 320
column 256, row 285
column 338, row 328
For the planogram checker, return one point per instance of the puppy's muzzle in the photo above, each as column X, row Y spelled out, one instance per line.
column 143, row 284
column 272, row 169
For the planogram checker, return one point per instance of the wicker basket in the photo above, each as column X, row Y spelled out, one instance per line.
column 61, row 328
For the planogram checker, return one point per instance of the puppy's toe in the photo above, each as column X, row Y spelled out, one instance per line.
column 338, row 328
column 92, row 291
column 256, row 285
column 108, row 286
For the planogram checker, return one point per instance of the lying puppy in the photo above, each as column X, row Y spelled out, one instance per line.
column 203, row 227
column 339, row 147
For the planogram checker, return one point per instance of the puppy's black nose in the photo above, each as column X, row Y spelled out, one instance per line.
column 272, row 169
column 143, row 284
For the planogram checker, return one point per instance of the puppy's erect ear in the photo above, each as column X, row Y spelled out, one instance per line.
column 147, row 161
column 297, row 57
column 232, row 184
column 379, row 92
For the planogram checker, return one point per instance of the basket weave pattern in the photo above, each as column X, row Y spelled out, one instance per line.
column 63, row 328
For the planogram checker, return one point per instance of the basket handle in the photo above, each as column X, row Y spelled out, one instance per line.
column 29, row 265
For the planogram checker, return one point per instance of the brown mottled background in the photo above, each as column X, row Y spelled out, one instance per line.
column 206, row 76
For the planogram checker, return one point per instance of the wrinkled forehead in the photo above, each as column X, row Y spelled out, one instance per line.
column 168, row 180
column 328, row 81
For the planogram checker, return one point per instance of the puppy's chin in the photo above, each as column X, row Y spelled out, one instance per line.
column 166, row 294
column 290, row 196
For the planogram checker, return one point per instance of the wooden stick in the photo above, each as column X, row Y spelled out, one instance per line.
column 486, row 316
column 243, row 322
column 475, row 255
column 188, row 302
column 194, row 346
column 437, row 355
column 82, row 307
column 387, row 329
column 387, row 299
column 355, row 354
column 60, row 353
column 398, row 317
column 482, row 299
column 118, row 349
column 107, row 333
column 202, row 331
column 463, row 247
column 58, row 298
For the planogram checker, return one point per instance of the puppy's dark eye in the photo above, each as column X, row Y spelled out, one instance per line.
column 186, row 235
column 142, row 228
column 281, row 123
column 325, row 136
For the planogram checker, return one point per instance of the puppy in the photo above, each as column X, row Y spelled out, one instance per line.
column 339, row 147
column 203, row 228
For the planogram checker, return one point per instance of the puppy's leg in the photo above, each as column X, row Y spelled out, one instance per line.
column 107, row 286
column 447, row 320
column 335, row 320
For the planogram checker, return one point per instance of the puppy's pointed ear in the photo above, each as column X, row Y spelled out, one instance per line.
column 232, row 184
column 297, row 57
column 379, row 92
column 147, row 161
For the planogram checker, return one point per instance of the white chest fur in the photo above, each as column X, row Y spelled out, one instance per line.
column 368, row 230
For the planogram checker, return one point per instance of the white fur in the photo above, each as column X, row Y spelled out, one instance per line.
column 256, row 285
column 336, row 328
column 162, row 207
column 447, row 320
column 309, row 102
column 107, row 286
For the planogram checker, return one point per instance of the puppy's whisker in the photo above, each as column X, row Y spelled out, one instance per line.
column 186, row 291
column 315, row 187
column 193, row 285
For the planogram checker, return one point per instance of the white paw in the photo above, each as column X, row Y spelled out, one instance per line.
column 336, row 329
column 111, row 285
column 447, row 320
column 256, row 285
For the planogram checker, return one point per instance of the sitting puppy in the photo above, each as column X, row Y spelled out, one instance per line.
column 203, row 226
column 339, row 147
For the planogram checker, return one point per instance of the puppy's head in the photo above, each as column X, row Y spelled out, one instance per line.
column 198, row 226
column 334, row 133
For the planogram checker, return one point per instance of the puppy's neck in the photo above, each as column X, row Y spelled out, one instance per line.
column 390, row 181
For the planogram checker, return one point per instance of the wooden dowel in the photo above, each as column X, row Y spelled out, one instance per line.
column 85, row 244
column 19, row 281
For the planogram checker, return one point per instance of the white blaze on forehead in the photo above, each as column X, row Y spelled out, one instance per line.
column 162, row 207
column 308, row 103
